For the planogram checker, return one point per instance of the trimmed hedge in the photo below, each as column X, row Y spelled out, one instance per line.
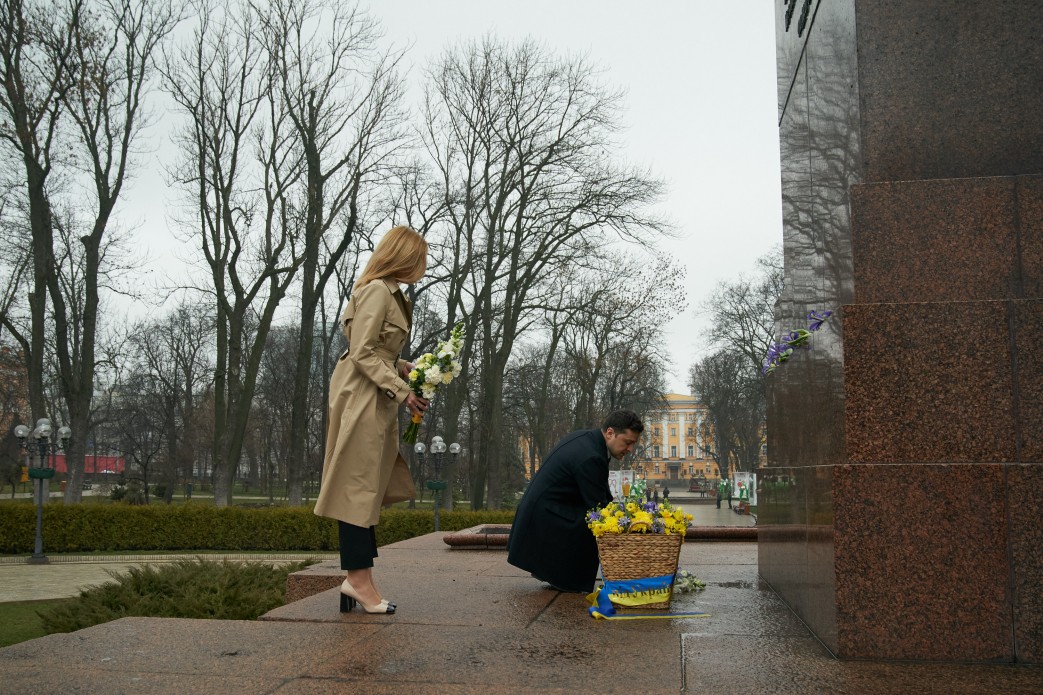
column 81, row 528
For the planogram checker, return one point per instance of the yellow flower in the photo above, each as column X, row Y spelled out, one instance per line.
column 630, row 517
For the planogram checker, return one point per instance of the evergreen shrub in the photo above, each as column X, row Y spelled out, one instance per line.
column 81, row 528
column 187, row 588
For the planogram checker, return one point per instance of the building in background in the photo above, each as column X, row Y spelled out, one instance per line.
column 675, row 449
column 14, row 389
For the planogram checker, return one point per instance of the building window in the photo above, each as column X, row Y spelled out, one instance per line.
column 707, row 468
column 691, row 470
column 690, row 432
column 655, row 432
column 657, row 469
column 691, row 451
column 673, row 452
column 655, row 451
column 673, row 431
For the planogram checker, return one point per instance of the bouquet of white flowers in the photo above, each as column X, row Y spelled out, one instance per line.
column 432, row 371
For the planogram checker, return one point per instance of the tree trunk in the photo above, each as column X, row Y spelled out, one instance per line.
column 43, row 257
column 491, row 427
column 300, row 408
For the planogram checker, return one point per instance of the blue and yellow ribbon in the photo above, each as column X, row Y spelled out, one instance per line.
column 634, row 593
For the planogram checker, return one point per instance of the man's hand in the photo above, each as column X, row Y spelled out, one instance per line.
column 404, row 368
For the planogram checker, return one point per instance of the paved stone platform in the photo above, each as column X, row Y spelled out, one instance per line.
column 470, row 623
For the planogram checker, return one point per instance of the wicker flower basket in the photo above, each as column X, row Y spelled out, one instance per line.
column 639, row 555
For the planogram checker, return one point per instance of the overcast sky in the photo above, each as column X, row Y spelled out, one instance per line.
column 701, row 113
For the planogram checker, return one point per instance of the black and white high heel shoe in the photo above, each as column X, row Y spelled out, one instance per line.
column 348, row 599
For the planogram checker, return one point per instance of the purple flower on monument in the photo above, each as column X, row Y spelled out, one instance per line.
column 781, row 351
column 816, row 319
column 774, row 357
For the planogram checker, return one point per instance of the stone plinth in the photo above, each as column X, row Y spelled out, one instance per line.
column 313, row 580
column 905, row 447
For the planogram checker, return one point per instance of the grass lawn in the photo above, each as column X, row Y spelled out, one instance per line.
column 189, row 588
column 20, row 621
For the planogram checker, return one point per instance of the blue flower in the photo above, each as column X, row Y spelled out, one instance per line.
column 816, row 319
column 798, row 339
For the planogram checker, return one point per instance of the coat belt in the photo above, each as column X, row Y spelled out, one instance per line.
column 386, row 354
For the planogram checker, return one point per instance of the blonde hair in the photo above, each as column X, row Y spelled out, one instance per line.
column 401, row 255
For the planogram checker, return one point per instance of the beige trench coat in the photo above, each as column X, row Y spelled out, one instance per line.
column 363, row 468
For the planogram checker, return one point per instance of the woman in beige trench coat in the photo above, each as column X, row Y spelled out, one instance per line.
column 363, row 469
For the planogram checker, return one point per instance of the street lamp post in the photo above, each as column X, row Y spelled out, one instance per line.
column 39, row 442
column 438, row 449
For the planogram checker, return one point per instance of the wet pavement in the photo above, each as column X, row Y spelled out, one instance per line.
column 468, row 622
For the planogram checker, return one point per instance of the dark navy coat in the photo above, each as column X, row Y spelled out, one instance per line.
column 549, row 537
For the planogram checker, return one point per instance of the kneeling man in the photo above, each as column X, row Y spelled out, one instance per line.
column 549, row 537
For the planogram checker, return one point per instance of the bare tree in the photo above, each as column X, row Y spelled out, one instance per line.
column 274, row 397
column 36, row 57
column 614, row 345
column 343, row 99
column 599, row 349
column 138, row 422
column 90, row 63
column 733, row 394
column 520, row 141
column 742, row 311
column 729, row 381
column 170, row 360
column 238, row 160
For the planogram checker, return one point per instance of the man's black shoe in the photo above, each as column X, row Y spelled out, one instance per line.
column 558, row 588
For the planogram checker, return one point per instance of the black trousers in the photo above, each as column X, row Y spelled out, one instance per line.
column 358, row 546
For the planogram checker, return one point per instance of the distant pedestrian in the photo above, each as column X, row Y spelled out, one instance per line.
column 666, row 494
column 720, row 494
column 655, row 495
